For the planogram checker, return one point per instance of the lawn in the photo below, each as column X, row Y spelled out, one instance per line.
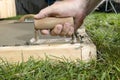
column 104, row 30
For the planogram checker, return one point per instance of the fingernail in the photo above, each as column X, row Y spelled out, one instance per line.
column 67, row 24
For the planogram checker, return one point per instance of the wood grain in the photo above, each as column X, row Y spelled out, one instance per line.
column 7, row 8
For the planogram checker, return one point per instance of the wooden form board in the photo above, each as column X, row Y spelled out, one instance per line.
column 83, row 51
column 7, row 8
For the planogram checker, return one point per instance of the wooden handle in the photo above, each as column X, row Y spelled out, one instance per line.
column 50, row 22
column 25, row 17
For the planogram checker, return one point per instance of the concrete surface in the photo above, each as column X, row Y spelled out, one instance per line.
column 17, row 33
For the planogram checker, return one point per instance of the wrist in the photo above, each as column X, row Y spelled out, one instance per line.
column 89, row 5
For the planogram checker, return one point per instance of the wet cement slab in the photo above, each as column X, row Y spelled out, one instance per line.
column 17, row 33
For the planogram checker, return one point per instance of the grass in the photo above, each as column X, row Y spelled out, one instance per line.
column 104, row 30
column 13, row 18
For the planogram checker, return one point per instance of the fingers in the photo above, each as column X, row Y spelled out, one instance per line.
column 60, row 30
column 63, row 30
column 43, row 13
column 48, row 11
column 71, row 31
column 57, row 30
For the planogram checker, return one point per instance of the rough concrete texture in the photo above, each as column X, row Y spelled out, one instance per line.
column 17, row 33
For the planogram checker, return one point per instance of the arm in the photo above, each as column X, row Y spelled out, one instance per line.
column 91, row 5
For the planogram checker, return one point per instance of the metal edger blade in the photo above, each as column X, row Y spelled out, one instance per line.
column 51, row 40
column 25, row 21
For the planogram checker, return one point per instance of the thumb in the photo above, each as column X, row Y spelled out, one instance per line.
column 48, row 11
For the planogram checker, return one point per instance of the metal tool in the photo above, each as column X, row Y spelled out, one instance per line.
column 47, row 23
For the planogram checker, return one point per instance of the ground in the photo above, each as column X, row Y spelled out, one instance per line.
column 104, row 30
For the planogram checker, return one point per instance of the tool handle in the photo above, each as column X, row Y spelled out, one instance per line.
column 50, row 22
column 25, row 17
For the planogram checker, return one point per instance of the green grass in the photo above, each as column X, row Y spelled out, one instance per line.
column 104, row 30
column 13, row 18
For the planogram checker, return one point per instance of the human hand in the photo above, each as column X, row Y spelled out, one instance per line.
column 65, row 8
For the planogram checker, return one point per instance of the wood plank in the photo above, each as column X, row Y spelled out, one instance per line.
column 7, row 8
column 69, row 51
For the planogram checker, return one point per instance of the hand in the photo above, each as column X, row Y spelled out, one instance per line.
column 65, row 8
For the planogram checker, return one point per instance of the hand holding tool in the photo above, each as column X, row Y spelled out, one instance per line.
column 47, row 23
